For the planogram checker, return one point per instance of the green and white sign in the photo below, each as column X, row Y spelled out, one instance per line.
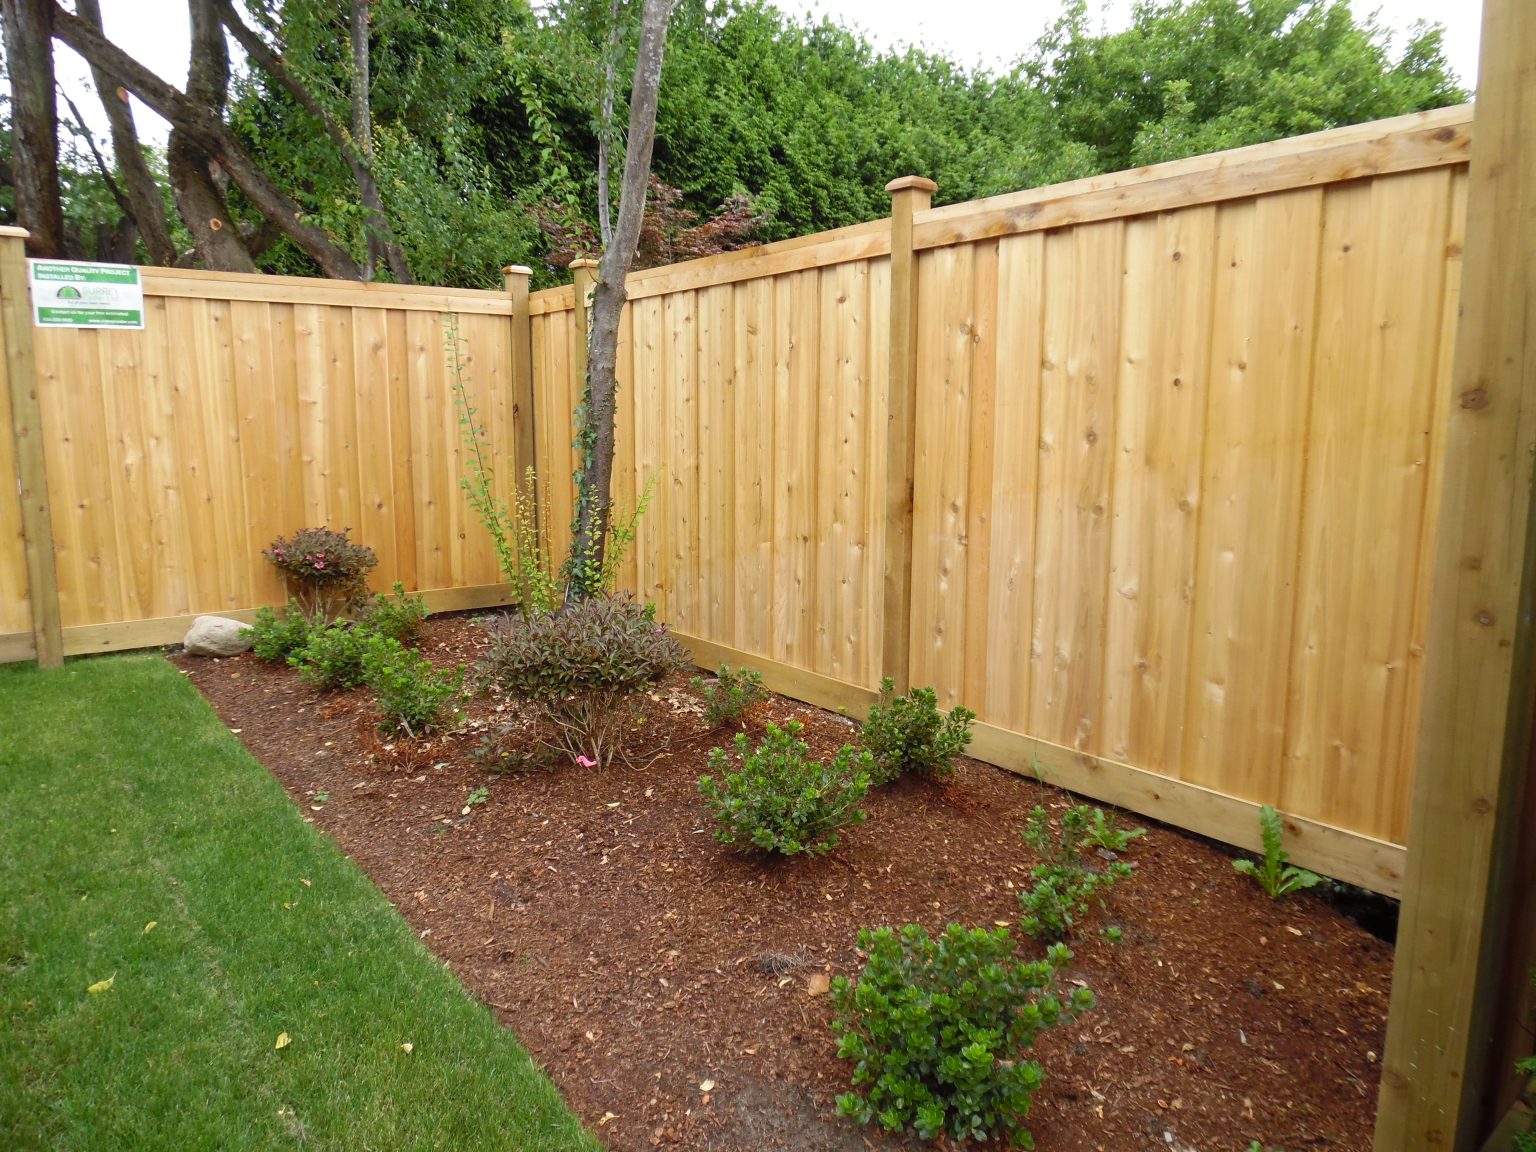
column 74, row 294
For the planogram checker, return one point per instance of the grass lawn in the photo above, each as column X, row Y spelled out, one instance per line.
column 124, row 803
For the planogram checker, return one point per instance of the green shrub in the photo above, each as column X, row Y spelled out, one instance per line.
column 729, row 695
column 332, row 657
column 580, row 668
column 1065, row 888
column 1275, row 876
column 275, row 637
column 397, row 615
column 937, row 1029
column 331, row 572
column 408, row 690
column 907, row 734
column 780, row 800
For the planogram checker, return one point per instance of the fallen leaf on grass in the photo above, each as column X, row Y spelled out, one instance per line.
column 305, row 882
column 148, row 928
column 282, row 1040
column 102, row 985
column 407, row 1047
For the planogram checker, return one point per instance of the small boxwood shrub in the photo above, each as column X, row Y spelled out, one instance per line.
column 581, row 668
column 331, row 572
column 937, row 1028
column 398, row 616
column 729, row 695
column 907, row 734
column 781, row 800
column 275, row 637
column 332, row 657
column 408, row 690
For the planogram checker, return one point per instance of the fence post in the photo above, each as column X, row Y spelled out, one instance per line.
column 20, row 369
column 1475, row 722
column 26, row 426
column 525, row 448
column 909, row 195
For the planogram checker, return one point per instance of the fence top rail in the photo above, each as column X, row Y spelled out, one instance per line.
column 866, row 241
column 547, row 300
column 1402, row 144
column 259, row 287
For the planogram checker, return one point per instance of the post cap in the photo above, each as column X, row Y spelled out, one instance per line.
column 18, row 233
column 517, row 270
column 584, row 262
column 921, row 183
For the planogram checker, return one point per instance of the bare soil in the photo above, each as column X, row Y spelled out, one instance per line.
column 672, row 986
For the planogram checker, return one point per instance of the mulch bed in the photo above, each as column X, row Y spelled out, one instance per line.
column 670, row 985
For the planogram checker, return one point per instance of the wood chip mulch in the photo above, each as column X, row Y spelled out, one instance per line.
column 673, row 988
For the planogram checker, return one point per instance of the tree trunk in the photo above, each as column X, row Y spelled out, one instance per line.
column 139, row 185
column 595, row 436
column 200, row 197
column 605, row 125
column 27, row 25
column 207, row 129
column 362, row 129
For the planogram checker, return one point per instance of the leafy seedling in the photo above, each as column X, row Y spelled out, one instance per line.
column 479, row 796
column 1104, row 832
column 1274, row 875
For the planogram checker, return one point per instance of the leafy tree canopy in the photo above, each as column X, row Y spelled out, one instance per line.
column 487, row 114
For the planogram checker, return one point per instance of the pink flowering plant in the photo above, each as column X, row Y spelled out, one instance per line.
column 326, row 573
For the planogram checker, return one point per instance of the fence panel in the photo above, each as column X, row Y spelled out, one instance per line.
column 1173, row 498
column 752, row 411
column 250, row 407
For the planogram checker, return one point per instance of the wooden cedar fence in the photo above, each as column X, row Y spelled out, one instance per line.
column 1142, row 472
column 248, row 407
column 1174, row 440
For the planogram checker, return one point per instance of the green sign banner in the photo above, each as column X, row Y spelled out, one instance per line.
column 74, row 294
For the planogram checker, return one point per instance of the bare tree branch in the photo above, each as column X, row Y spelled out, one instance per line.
column 101, row 163
column 143, row 192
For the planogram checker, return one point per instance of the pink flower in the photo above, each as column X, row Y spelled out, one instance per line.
column 319, row 564
column 586, row 762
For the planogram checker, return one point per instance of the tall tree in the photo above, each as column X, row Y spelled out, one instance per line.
column 595, row 434
column 28, row 28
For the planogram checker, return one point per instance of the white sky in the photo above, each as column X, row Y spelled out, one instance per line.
column 989, row 32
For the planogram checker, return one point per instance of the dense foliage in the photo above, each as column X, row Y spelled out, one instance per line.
column 937, row 1028
column 908, row 734
column 485, row 125
column 779, row 798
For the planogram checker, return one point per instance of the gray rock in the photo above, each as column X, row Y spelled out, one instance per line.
column 217, row 636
